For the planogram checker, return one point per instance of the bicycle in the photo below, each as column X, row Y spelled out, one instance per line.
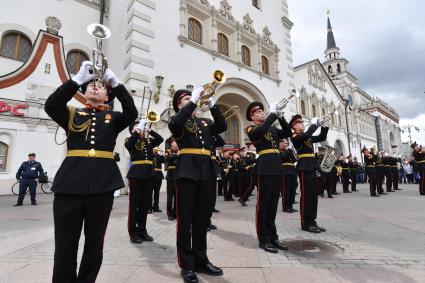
column 46, row 185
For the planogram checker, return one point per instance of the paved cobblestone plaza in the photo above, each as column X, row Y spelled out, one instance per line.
column 368, row 240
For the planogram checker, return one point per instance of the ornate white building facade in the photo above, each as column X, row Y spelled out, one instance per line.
column 164, row 45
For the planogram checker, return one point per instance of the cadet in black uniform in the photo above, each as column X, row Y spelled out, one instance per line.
column 220, row 163
column 194, row 172
column 345, row 174
column 419, row 156
column 303, row 143
column 85, row 182
column 243, row 172
column 388, row 162
column 353, row 165
column 380, row 172
column 218, row 142
column 268, row 170
column 141, row 179
column 370, row 159
column 250, row 163
column 289, row 184
column 27, row 176
column 394, row 171
column 158, row 160
column 171, row 158
column 334, row 177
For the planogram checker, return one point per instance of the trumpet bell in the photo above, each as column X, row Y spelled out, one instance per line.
column 219, row 76
column 99, row 31
column 153, row 116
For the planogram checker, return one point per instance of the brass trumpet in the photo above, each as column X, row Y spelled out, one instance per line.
column 209, row 88
column 232, row 111
column 100, row 63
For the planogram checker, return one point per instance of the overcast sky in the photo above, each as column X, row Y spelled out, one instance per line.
column 384, row 41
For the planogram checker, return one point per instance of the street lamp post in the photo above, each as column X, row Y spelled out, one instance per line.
column 409, row 131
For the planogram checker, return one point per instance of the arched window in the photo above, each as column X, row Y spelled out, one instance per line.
column 15, row 46
column 3, row 156
column 265, row 65
column 330, row 69
column 338, row 68
column 195, row 30
column 232, row 134
column 246, row 55
column 303, row 112
column 74, row 59
column 223, row 44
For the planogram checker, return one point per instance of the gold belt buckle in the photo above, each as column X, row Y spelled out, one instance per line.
column 92, row 153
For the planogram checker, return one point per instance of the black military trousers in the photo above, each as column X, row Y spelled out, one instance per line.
column 325, row 184
column 345, row 180
column 140, row 201
column 372, row 183
column 267, row 203
column 421, row 181
column 157, row 182
column 69, row 214
column 227, row 189
column 389, row 180
column 289, row 187
column 353, row 177
column 308, row 203
column 252, row 183
column 193, row 214
column 243, row 183
column 220, row 185
column 395, row 177
column 334, row 180
column 379, row 182
column 213, row 198
column 31, row 184
column 171, row 198
column 234, row 184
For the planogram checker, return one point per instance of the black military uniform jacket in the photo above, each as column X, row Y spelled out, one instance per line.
column 196, row 133
column 266, row 137
column 288, row 162
column 89, row 175
column 218, row 142
column 370, row 161
column 141, row 150
column 303, row 143
column 379, row 164
column 30, row 170
column 353, row 167
column 158, row 160
column 171, row 159
column 420, row 159
column 345, row 166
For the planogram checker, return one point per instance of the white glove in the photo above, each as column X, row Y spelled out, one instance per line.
column 280, row 113
column 142, row 124
column 273, row 108
column 83, row 76
column 210, row 102
column 321, row 122
column 196, row 95
column 111, row 79
column 314, row 120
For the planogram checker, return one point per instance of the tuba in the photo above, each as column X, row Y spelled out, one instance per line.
column 328, row 160
column 209, row 88
column 100, row 63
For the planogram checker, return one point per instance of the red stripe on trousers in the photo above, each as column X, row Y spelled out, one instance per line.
column 256, row 209
column 177, row 220
column 302, row 198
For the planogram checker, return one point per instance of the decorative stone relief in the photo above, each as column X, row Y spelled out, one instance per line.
column 315, row 78
column 226, row 10
column 247, row 23
column 53, row 25
column 266, row 36
column 204, row 2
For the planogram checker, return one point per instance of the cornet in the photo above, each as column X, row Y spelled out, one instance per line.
column 100, row 63
column 282, row 104
column 209, row 88
column 325, row 118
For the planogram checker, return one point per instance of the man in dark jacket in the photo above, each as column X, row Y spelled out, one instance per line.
column 85, row 182
column 194, row 172
column 27, row 176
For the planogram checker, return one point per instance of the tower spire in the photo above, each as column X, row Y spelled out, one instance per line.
column 331, row 39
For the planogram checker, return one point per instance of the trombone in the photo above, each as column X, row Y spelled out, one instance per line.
column 151, row 115
column 232, row 111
